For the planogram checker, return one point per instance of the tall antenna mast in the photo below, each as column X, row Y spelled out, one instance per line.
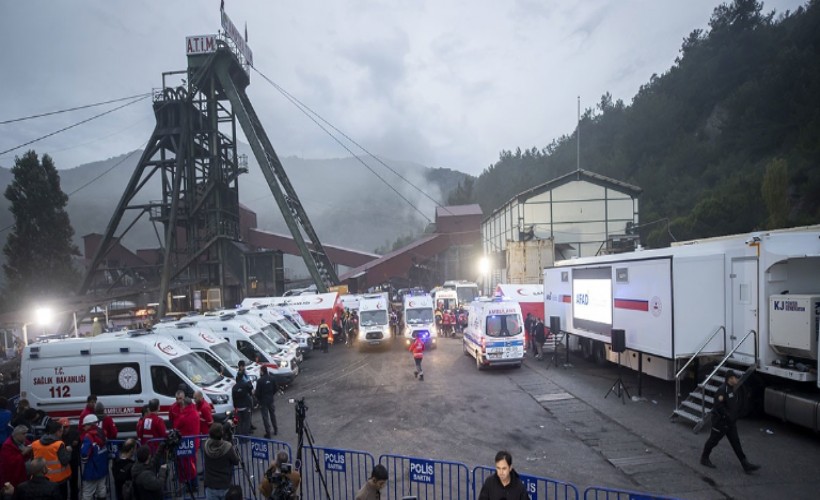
column 578, row 136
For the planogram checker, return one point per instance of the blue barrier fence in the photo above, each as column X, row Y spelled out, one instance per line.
column 538, row 488
column 601, row 493
column 344, row 472
column 426, row 479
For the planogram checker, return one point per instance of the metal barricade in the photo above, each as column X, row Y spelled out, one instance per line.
column 344, row 472
column 426, row 478
column 601, row 493
column 255, row 456
column 538, row 487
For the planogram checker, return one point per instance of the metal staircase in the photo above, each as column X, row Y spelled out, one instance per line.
column 697, row 406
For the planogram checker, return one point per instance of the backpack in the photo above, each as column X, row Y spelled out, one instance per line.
column 127, row 490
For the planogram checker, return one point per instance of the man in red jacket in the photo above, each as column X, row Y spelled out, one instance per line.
column 417, row 348
column 109, row 428
column 90, row 405
column 13, row 455
column 152, row 426
column 175, row 409
column 206, row 416
column 187, row 423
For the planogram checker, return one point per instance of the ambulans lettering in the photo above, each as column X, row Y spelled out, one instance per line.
column 788, row 305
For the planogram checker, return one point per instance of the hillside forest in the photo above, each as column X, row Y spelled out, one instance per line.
column 726, row 141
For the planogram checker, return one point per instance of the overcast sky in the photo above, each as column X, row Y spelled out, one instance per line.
column 444, row 83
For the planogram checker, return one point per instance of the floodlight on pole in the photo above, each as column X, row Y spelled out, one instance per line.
column 43, row 316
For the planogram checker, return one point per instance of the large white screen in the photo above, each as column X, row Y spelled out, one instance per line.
column 593, row 300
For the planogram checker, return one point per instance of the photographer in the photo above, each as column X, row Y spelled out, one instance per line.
column 220, row 459
column 281, row 482
column 147, row 483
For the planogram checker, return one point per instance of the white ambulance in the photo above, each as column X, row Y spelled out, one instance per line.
column 272, row 332
column 495, row 333
column 374, row 320
column 219, row 353
column 277, row 319
column 125, row 370
column 419, row 319
column 254, row 344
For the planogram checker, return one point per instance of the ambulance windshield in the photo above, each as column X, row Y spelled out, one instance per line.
column 196, row 370
column 503, row 325
column 265, row 343
column 416, row 316
column 371, row 318
column 229, row 354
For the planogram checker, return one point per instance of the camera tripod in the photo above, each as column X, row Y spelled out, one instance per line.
column 228, row 429
column 618, row 387
column 169, row 452
column 303, row 430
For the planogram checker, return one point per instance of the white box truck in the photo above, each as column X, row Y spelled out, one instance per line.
column 750, row 301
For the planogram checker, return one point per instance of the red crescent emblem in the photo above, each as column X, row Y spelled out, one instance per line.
column 167, row 349
column 207, row 338
column 246, row 329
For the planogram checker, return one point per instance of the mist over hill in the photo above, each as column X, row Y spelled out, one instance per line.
column 347, row 204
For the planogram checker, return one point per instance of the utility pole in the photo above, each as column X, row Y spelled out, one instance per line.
column 578, row 137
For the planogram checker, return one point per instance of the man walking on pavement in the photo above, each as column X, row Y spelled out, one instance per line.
column 724, row 415
column 266, row 389
column 417, row 348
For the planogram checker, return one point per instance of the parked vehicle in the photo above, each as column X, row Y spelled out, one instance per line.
column 495, row 334
column 750, row 302
column 125, row 370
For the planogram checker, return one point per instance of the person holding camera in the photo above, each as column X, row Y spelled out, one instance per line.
column 266, row 389
column 373, row 487
column 220, row 459
column 147, row 483
column 281, row 482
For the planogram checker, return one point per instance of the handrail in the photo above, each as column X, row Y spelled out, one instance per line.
column 702, row 385
column 677, row 375
column 691, row 359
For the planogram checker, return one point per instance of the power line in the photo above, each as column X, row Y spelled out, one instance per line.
column 307, row 111
column 73, row 125
column 30, row 117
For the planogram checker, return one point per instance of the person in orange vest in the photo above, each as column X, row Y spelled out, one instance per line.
column 324, row 332
column 417, row 348
column 56, row 454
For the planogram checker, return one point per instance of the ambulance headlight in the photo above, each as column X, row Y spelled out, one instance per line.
column 284, row 363
column 219, row 399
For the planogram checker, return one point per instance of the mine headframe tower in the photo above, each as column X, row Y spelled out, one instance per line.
column 193, row 152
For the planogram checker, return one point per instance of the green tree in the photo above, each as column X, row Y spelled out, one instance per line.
column 39, row 249
column 463, row 193
column 775, row 190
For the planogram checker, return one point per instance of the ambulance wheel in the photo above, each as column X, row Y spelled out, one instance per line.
column 478, row 364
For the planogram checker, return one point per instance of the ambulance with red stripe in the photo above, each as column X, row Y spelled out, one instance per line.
column 125, row 370
column 495, row 333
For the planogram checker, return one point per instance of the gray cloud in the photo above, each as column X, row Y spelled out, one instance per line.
column 442, row 83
